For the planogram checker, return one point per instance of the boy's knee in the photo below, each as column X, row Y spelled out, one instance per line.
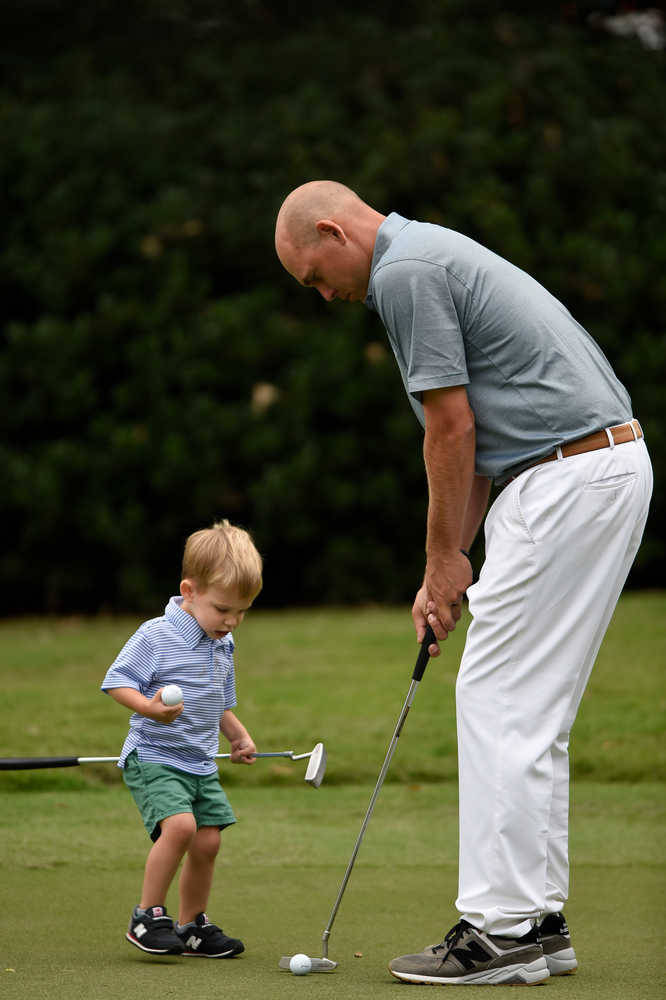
column 180, row 828
column 208, row 840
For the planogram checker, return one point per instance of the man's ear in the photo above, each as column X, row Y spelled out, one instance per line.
column 326, row 227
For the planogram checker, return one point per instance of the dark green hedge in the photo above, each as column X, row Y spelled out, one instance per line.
column 158, row 370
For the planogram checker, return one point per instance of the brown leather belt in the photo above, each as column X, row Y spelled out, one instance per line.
column 592, row 442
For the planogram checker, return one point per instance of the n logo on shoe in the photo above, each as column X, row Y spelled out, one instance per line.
column 472, row 952
column 193, row 942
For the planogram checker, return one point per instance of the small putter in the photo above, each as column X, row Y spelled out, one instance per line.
column 314, row 774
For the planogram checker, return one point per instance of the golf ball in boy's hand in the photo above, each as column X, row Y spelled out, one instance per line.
column 171, row 695
column 300, row 965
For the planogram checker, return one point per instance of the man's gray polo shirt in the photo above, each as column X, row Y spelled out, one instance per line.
column 458, row 314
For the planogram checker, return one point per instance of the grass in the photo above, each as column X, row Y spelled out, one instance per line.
column 67, row 892
column 334, row 675
column 72, row 846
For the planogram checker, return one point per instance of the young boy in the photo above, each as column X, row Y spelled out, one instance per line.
column 168, row 758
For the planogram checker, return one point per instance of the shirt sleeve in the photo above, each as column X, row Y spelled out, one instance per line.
column 229, row 682
column 230, row 690
column 417, row 307
column 134, row 667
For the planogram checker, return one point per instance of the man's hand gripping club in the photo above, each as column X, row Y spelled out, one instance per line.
column 439, row 601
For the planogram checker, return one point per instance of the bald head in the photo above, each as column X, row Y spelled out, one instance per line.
column 325, row 237
column 308, row 204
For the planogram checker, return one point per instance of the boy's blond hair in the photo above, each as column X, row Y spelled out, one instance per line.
column 226, row 555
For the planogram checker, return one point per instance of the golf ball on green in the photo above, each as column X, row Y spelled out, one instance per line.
column 171, row 695
column 300, row 965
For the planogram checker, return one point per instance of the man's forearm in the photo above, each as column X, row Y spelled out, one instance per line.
column 449, row 453
column 477, row 505
column 449, row 461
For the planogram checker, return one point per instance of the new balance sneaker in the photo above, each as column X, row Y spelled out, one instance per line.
column 560, row 956
column 201, row 939
column 152, row 930
column 469, row 956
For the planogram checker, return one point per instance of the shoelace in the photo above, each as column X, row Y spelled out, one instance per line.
column 452, row 937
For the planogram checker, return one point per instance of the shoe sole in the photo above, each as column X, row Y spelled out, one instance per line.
column 508, row 975
column 152, row 951
column 223, row 954
column 562, row 963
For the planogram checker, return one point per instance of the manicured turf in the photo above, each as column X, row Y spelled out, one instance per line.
column 338, row 675
column 72, row 847
column 72, row 865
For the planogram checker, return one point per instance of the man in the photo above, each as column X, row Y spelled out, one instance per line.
column 508, row 387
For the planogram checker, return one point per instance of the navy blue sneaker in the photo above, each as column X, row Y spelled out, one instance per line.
column 201, row 939
column 152, row 931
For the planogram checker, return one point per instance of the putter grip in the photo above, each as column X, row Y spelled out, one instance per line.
column 30, row 763
column 424, row 655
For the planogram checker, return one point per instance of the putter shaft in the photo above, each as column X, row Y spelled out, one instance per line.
column 419, row 669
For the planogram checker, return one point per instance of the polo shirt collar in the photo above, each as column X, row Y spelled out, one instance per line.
column 386, row 233
column 185, row 624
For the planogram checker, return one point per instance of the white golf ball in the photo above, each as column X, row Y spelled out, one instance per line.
column 171, row 695
column 300, row 965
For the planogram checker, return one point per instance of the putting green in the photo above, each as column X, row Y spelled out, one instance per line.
column 72, row 861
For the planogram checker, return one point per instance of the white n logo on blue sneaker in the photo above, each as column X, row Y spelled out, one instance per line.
column 193, row 942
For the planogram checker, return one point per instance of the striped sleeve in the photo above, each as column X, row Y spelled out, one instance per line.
column 229, row 688
column 134, row 667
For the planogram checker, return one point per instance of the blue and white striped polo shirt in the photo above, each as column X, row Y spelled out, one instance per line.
column 174, row 649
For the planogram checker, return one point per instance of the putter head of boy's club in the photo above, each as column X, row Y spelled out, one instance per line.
column 316, row 766
column 318, row 964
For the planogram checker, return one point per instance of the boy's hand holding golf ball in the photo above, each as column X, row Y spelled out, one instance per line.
column 166, row 704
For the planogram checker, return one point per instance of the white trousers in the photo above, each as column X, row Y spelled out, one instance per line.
column 560, row 540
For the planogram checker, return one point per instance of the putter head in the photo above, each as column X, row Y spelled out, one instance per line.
column 318, row 964
column 316, row 766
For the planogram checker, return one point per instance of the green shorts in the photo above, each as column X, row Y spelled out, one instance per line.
column 160, row 791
